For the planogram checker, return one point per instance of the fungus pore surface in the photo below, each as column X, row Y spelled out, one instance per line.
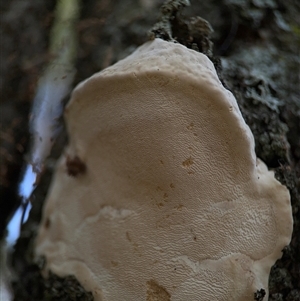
column 172, row 203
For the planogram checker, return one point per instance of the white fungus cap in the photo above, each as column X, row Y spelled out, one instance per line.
column 172, row 203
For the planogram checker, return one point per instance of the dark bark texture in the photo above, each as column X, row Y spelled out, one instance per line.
column 258, row 42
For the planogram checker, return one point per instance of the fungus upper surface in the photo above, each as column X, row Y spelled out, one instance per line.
column 172, row 203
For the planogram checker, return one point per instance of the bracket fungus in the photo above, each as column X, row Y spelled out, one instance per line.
column 173, row 203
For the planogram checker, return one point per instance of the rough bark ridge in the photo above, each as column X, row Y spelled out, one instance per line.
column 259, row 44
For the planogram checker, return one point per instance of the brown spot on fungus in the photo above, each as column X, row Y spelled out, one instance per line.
column 190, row 126
column 123, row 120
column 156, row 292
column 179, row 207
column 188, row 162
column 47, row 223
column 114, row 263
column 128, row 236
column 75, row 166
column 160, row 205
